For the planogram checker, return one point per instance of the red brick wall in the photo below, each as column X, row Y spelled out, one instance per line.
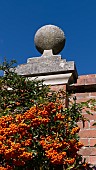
column 88, row 133
column 85, row 89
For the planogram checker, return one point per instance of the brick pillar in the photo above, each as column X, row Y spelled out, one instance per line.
column 85, row 89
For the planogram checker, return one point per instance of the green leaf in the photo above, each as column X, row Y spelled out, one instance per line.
column 71, row 167
column 94, row 124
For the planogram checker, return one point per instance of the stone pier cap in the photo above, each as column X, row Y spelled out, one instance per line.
column 48, row 66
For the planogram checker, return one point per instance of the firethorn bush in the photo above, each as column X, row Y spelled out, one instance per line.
column 37, row 131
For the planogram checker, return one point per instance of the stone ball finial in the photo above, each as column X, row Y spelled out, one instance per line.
column 49, row 37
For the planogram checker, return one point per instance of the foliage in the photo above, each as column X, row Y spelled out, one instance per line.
column 36, row 130
column 17, row 93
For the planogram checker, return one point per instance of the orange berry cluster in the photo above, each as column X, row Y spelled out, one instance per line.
column 75, row 130
column 18, row 133
column 15, row 135
column 60, row 152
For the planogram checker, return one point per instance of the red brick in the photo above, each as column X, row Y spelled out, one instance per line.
column 90, row 76
column 92, row 141
column 85, row 151
column 92, row 160
column 91, row 124
column 87, row 76
column 93, row 151
column 87, row 158
column 85, row 141
column 82, row 95
column 58, row 87
column 90, row 81
column 86, row 110
column 82, row 77
column 80, row 124
column 90, row 117
column 93, row 94
column 87, row 133
column 79, row 100
column 81, row 81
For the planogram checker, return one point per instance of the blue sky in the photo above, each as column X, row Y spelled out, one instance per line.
column 20, row 19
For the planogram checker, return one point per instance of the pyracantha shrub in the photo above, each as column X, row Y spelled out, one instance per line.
column 37, row 131
column 44, row 136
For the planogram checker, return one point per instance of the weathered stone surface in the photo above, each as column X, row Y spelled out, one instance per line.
column 46, row 65
column 49, row 37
